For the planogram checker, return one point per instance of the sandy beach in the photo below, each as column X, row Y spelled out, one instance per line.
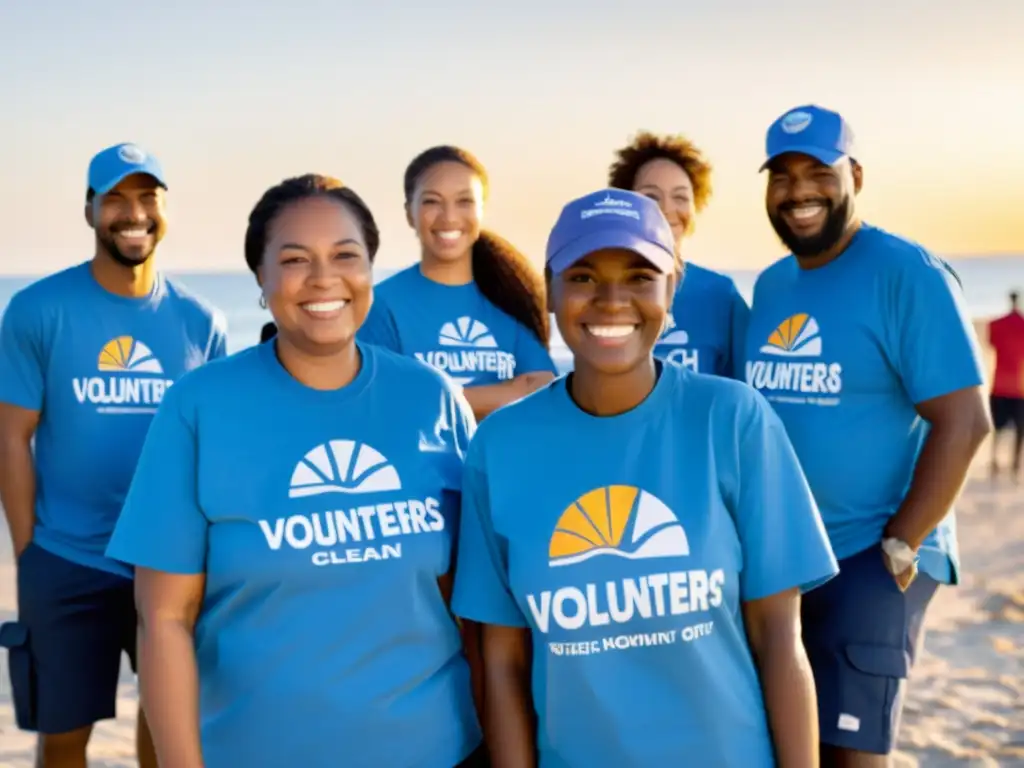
column 966, row 701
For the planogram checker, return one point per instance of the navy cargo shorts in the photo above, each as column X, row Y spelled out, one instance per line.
column 862, row 636
column 64, row 651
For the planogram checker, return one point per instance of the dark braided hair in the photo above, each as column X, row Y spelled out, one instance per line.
column 293, row 190
column 503, row 274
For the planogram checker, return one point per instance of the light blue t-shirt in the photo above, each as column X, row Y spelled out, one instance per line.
column 322, row 520
column 627, row 545
column 843, row 352
column 708, row 328
column 96, row 366
column 453, row 328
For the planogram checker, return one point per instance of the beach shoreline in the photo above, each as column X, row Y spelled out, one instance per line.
column 965, row 705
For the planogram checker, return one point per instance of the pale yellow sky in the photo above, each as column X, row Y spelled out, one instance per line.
column 542, row 92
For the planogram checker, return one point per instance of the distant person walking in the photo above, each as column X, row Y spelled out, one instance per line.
column 861, row 341
column 474, row 306
column 707, row 328
column 86, row 357
column 1006, row 337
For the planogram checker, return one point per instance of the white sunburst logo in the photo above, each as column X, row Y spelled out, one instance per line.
column 343, row 466
column 467, row 332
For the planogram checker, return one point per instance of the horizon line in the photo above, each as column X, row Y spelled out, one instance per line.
column 243, row 271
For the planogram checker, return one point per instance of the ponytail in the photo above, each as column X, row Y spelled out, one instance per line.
column 509, row 281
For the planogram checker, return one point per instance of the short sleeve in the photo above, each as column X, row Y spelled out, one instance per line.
column 22, row 355
column 218, row 338
column 531, row 356
column 783, row 539
column 932, row 341
column 161, row 526
column 379, row 328
column 482, row 591
column 739, row 323
column 452, row 432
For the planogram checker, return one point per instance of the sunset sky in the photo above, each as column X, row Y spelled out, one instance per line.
column 234, row 100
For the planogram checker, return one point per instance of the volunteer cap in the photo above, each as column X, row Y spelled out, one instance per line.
column 112, row 165
column 611, row 218
column 810, row 130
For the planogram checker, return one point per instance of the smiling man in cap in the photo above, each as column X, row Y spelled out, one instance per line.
column 861, row 341
column 86, row 355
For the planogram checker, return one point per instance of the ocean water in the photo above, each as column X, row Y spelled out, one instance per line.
column 986, row 279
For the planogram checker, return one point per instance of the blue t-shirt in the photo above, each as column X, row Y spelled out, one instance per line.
column 708, row 328
column 844, row 352
column 96, row 366
column 627, row 545
column 322, row 520
column 453, row 328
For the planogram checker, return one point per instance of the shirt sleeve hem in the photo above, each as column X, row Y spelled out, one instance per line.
column 495, row 618
column 947, row 388
column 805, row 583
column 27, row 403
column 138, row 560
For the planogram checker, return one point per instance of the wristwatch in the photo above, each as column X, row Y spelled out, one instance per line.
column 899, row 556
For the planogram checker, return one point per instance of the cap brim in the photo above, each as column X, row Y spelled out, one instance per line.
column 826, row 156
column 660, row 259
column 111, row 183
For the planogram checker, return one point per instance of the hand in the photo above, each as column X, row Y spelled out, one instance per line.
column 526, row 383
column 19, row 546
column 903, row 580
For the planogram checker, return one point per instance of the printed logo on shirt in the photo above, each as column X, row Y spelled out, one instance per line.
column 364, row 530
column 623, row 522
column 132, row 380
column 792, row 370
column 342, row 466
column 678, row 339
column 467, row 348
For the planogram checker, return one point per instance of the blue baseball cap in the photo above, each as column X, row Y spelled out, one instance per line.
column 810, row 130
column 611, row 218
column 111, row 166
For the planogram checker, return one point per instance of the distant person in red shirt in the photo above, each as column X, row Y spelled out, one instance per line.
column 1006, row 335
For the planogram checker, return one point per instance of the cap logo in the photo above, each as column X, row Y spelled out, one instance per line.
column 610, row 205
column 795, row 122
column 130, row 153
column 611, row 201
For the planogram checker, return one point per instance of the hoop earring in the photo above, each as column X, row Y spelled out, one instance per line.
column 263, row 301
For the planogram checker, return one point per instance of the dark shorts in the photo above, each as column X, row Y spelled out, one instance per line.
column 64, row 652
column 1006, row 412
column 862, row 636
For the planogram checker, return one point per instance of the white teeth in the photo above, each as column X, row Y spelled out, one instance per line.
column 807, row 212
column 324, row 306
column 133, row 233
column 452, row 235
column 610, row 331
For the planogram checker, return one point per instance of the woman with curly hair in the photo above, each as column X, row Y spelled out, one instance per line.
column 474, row 307
column 707, row 326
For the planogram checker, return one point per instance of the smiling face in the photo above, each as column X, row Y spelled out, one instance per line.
column 665, row 182
column 810, row 204
column 316, row 275
column 611, row 307
column 129, row 220
column 446, row 210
